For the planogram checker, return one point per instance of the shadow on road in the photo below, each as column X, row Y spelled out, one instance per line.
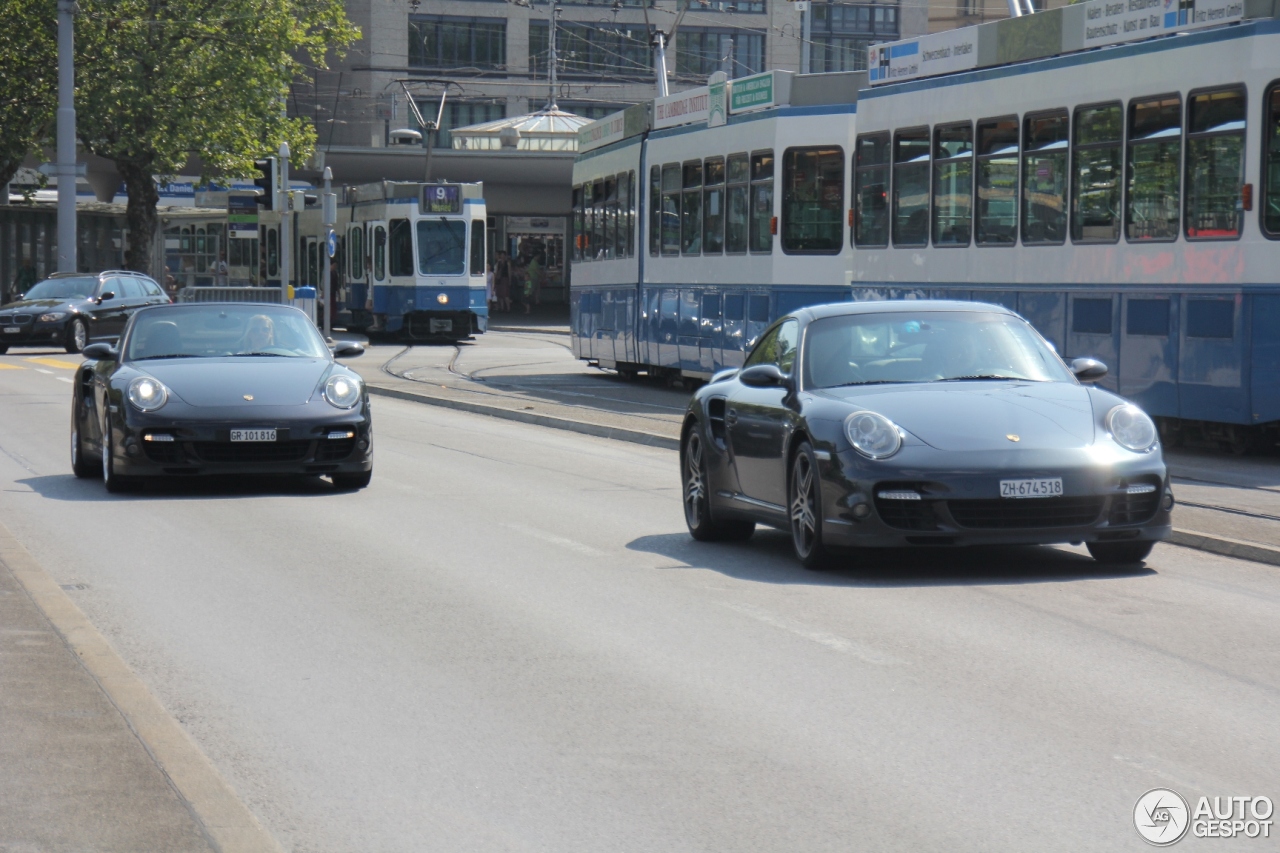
column 65, row 487
column 767, row 558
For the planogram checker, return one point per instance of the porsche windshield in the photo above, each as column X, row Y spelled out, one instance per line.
column 223, row 331
column 950, row 346
column 64, row 288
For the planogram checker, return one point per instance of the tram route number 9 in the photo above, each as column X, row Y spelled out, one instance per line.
column 441, row 199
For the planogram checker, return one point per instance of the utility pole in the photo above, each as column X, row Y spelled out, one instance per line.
column 286, row 215
column 66, row 137
column 551, row 78
column 806, row 37
column 660, row 63
column 329, row 206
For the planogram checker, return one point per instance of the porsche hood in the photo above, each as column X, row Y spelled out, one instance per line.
column 222, row 383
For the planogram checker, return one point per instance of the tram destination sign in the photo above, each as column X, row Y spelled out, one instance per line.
column 441, row 198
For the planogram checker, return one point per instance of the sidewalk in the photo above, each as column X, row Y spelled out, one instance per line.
column 525, row 371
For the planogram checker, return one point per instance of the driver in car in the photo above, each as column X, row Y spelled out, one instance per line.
column 260, row 334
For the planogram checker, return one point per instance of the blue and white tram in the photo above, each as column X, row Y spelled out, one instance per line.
column 1107, row 196
column 413, row 258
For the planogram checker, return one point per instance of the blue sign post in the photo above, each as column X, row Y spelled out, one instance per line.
column 332, row 243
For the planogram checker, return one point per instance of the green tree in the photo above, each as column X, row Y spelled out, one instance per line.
column 159, row 81
column 28, row 79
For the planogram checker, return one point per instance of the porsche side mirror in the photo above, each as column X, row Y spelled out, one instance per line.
column 100, row 352
column 347, row 349
column 104, row 297
column 1088, row 369
column 763, row 376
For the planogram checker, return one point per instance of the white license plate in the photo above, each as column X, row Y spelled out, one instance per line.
column 441, row 326
column 253, row 435
column 12, row 330
column 1045, row 487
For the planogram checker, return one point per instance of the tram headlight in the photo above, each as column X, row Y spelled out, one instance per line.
column 147, row 394
column 341, row 391
column 442, row 298
column 1131, row 428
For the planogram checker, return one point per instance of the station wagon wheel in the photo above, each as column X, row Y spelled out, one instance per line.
column 695, row 489
column 77, row 335
column 805, row 508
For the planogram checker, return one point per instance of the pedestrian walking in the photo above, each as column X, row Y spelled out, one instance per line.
column 502, row 274
column 533, row 280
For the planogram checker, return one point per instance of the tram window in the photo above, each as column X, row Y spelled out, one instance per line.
column 758, row 308
column 713, row 207
column 379, row 253
column 710, row 307
column 273, row 253
column 577, row 223
column 655, row 210
column 1095, row 174
column 997, row 182
column 871, row 195
column 1148, row 317
column 477, row 247
column 1271, row 164
column 813, row 200
column 952, row 185
column 1215, row 164
column 911, row 187
column 598, row 216
column 357, row 253
column 1044, row 179
column 608, row 248
column 1091, row 317
column 691, row 209
column 671, row 209
column 1153, row 167
column 633, row 196
column 761, row 230
column 624, row 216
column 736, row 203
column 1211, row 318
column 733, row 304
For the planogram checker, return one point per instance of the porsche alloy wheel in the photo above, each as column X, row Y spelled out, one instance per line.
column 805, row 508
column 697, row 499
column 113, row 481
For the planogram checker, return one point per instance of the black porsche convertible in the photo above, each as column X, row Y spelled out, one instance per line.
column 220, row 388
column 892, row 424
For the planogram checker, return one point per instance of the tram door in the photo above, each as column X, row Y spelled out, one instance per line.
column 357, row 284
column 376, row 264
column 309, row 261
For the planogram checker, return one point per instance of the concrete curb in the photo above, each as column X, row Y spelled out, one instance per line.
column 634, row 436
column 1226, row 547
column 227, row 822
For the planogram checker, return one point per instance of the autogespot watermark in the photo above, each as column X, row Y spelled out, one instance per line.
column 1162, row 817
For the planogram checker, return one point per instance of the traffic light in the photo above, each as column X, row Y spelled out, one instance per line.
column 268, row 183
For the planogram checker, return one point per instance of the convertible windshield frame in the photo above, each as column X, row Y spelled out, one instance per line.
column 63, row 288
column 221, row 331
column 924, row 348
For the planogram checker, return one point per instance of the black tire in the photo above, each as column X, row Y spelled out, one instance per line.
column 804, row 507
column 114, row 482
column 1120, row 553
column 4, row 348
column 79, row 465
column 695, row 488
column 77, row 336
column 351, row 482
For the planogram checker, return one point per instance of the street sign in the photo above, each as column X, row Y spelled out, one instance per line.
column 332, row 242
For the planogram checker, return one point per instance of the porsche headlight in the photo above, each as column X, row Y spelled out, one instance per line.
column 1131, row 428
column 342, row 391
column 872, row 435
column 147, row 394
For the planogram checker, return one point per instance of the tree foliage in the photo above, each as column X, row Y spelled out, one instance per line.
column 159, row 81
column 28, row 79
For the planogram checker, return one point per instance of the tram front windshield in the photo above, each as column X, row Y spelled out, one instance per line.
column 442, row 246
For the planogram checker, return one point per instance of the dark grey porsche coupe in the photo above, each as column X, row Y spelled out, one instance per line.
column 884, row 424
column 220, row 388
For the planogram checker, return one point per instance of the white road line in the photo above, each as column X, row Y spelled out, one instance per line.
column 42, row 370
column 840, row 644
column 552, row 539
column 65, row 379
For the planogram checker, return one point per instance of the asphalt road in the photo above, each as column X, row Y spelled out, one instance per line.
column 509, row 643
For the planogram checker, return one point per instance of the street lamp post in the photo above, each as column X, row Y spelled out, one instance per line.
column 67, row 137
column 285, row 215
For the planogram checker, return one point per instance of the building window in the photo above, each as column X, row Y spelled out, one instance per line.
column 1215, row 164
column 1095, row 175
column 701, row 51
column 838, row 53
column 813, row 200
column 446, row 42
column 588, row 49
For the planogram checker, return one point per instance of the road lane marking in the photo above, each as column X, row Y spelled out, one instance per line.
column 65, row 379
column 56, row 362
column 42, row 370
column 225, row 819
column 552, row 539
column 832, row 641
column 4, row 366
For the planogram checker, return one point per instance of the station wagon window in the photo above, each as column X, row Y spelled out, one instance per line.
column 1215, row 164
column 871, row 190
column 813, row 200
column 1095, row 175
column 911, row 187
column 736, row 204
column 1271, row 164
column 1154, row 169
column 380, row 253
column 477, row 247
column 691, row 211
column 997, row 182
column 762, row 202
column 952, row 185
column 441, row 245
column 357, row 252
column 671, row 209
column 655, row 210
column 713, row 206
column 1044, row 179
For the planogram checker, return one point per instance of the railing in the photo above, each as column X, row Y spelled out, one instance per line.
column 231, row 294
